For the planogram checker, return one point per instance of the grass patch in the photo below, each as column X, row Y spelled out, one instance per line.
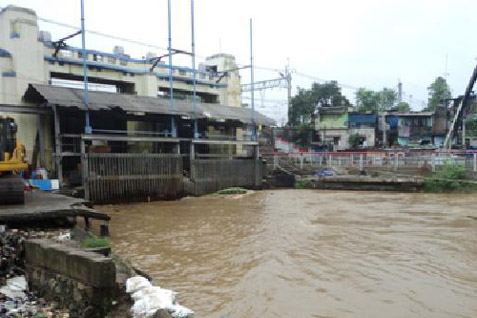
column 233, row 190
column 94, row 242
column 304, row 184
column 453, row 174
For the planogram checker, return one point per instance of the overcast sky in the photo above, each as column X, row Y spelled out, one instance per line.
column 367, row 43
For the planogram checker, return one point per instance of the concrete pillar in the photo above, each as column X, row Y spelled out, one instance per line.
column 301, row 161
column 361, row 163
column 433, row 163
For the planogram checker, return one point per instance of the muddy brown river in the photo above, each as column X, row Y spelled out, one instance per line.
column 306, row 253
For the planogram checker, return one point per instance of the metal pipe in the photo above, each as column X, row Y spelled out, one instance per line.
column 254, row 128
column 194, row 94
column 171, row 89
column 87, row 128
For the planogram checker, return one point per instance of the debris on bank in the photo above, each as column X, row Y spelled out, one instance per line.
column 154, row 301
column 16, row 300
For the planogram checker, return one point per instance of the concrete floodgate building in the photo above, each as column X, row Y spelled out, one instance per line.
column 133, row 119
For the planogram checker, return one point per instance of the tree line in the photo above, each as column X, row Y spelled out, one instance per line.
column 306, row 102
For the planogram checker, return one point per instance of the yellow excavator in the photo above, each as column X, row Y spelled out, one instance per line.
column 12, row 161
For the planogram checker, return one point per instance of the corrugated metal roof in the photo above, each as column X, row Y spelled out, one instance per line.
column 71, row 97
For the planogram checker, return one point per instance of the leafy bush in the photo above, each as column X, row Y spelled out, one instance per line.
column 93, row 242
column 354, row 140
column 452, row 172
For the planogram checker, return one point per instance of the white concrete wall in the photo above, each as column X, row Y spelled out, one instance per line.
column 19, row 36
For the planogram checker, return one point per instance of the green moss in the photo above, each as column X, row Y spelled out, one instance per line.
column 93, row 242
column 233, row 190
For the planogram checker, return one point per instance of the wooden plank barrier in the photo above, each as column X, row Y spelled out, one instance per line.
column 211, row 175
column 117, row 177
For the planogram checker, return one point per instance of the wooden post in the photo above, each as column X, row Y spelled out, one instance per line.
column 87, row 223
column 58, row 147
column 104, row 230
column 475, row 162
column 301, row 161
column 258, row 167
column 351, row 160
column 396, row 162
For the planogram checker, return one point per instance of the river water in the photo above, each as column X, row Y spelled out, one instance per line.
column 308, row 253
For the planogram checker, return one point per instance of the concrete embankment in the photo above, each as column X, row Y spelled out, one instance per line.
column 46, row 271
column 84, row 282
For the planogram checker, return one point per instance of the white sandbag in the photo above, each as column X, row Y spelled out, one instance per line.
column 15, row 287
column 136, row 283
column 179, row 311
column 155, row 290
column 148, row 305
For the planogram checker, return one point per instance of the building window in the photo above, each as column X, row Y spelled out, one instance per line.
column 66, row 53
column 336, row 140
column 182, row 73
column 111, row 60
column 97, row 57
column 80, row 55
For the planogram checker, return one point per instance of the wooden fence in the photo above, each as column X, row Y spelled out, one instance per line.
column 118, row 177
column 211, row 175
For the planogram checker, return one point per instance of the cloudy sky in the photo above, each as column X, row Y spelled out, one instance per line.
column 367, row 43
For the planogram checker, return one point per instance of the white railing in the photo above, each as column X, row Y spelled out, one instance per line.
column 361, row 160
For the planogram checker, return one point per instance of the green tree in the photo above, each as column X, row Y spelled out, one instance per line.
column 305, row 102
column 367, row 100
column 438, row 91
column 372, row 101
column 402, row 107
column 353, row 140
column 471, row 125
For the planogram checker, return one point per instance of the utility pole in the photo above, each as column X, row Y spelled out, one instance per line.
column 194, row 95
column 254, row 128
column 171, row 89
column 87, row 126
column 288, row 78
column 399, row 91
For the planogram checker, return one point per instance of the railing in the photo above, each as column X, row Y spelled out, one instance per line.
column 361, row 160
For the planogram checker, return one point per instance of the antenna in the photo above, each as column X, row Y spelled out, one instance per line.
column 446, row 73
